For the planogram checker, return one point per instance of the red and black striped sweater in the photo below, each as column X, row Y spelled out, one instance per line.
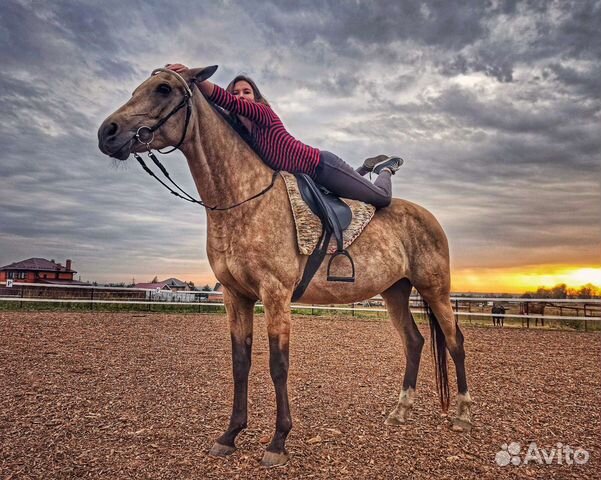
column 277, row 148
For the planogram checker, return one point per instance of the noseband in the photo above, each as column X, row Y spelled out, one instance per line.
column 145, row 130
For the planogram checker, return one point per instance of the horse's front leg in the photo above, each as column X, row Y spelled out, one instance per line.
column 240, row 315
column 277, row 315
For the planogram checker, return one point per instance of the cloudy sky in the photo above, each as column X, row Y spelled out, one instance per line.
column 495, row 106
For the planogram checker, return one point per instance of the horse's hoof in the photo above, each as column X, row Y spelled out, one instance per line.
column 272, row 459
column 219, row 450
column 394, row 420
column 461, row 425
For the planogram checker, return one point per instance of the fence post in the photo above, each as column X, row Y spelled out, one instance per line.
column 22, row 292
column 92, row 299
column 469, row 310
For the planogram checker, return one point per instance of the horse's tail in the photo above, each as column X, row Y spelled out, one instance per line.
column 439, row 352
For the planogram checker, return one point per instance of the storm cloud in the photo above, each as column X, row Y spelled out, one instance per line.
column 494, row 105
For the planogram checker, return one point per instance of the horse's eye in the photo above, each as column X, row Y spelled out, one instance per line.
column 164, row 89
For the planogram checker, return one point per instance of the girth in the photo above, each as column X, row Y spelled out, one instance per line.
column 335, row 216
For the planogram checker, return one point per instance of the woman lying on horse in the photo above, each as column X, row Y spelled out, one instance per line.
column 281, row 151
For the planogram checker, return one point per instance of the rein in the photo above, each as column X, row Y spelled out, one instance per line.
column 186, row 102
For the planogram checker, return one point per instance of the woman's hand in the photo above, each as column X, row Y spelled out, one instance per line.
column 205, row 87
column 177, row 67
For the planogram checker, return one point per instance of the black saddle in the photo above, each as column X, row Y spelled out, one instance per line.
column 335, row 216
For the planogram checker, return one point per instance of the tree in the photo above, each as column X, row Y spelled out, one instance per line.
column 206, row 288
column 155, row 279
column 558, row 291
column 586, row 291
column 562, row 291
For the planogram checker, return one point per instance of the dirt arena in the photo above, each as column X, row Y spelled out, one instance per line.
column 116, row 396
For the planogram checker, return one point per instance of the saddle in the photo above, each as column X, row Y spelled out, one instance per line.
column 325, row 224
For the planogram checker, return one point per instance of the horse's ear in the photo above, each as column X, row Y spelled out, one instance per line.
column 201, row 74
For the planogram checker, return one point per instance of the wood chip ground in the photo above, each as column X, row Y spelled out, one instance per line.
column 118, row 396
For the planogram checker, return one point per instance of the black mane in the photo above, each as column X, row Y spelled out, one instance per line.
column 236, row 124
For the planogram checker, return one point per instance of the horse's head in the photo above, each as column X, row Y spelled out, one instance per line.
column 156, row 116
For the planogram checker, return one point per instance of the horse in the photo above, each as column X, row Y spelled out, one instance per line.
column 498, row 320
column 252, row 250
column 528, row 308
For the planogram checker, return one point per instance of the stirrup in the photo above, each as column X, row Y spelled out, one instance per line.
column 334, row 278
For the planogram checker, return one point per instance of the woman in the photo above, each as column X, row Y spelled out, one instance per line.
column 281, row 151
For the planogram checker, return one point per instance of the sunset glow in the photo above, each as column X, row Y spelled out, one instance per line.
column 520, row 279
column 524, row 278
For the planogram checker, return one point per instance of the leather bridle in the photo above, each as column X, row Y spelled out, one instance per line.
column 186, row 102
column 143, row 130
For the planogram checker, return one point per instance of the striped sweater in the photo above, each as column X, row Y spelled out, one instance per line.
column 277, row 148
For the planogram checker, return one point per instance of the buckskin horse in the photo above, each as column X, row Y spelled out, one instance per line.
column 252, row 250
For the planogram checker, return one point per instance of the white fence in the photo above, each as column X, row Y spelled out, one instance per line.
column 591, row 308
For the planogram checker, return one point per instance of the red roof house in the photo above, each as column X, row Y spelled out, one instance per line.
column 38, row 270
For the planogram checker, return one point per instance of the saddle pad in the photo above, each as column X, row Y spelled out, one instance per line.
column 308, row 225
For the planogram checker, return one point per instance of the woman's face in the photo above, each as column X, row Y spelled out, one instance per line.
column 243, row 90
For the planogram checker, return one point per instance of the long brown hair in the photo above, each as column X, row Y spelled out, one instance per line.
column 259, row 98
column 234, row 120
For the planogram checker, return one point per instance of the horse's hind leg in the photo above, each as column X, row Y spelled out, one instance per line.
column 440, row 305
column 397, row 304
column 240, row 315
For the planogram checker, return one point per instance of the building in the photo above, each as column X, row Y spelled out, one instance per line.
column 176, row 285
column 171, row 284
column 217, row 294
column 39, row 270
column 153, row 286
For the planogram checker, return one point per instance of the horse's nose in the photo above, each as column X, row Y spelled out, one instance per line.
column 107, row 131
column 111, row 129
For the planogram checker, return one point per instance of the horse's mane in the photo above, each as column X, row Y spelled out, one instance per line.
column 236, row 124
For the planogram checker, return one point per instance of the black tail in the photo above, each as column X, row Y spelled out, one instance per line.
column 439, row 351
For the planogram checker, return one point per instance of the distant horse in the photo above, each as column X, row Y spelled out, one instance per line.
column 253, row 252
column 498, row 309
column 533, row 308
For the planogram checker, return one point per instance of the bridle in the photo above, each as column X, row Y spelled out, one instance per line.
column 145, row 130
